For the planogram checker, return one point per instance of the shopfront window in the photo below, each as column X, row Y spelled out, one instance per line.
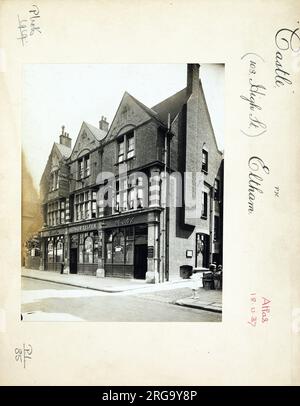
column 50, row 254
column 129, row 250
column 88, row 247
column 88, row 251
column 59, row 251
column 118, row 248
column 108, row 254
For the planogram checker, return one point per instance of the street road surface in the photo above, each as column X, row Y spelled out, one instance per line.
column 48, row 301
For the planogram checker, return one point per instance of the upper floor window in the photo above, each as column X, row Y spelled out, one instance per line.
column 217, row 189
column 140, row 193
column 87, row 166
column 56, row 213
column 130, row 146
column 85, row 205
column 216, row 228
column 204, row 205
column 54, row 183
column 126, row 147
column 204, row 160
column 121, row 156
column 84, row 166
column 129, row 194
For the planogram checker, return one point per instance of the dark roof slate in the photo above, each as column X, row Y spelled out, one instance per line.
column 63, row 149
column 98, row 134
column 172, row 105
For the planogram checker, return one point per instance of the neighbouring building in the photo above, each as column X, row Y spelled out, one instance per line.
column 31, row 220
column 108, row 207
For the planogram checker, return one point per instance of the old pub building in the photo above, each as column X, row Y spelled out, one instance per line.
column 136, row 236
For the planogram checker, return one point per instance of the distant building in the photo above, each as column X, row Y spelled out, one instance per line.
column 136, row 236
column 31, row 217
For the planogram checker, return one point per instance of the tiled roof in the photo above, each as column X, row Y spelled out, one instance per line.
column 172, row 105
column 63, row 149
column 99, row 134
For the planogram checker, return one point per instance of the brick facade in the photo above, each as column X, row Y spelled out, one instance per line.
column 137, row 236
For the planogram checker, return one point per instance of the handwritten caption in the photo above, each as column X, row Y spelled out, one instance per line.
column 286, row 41
column 287, row 49
column 255, row 95
column 23, row 354
column 260, row 310
column 29, row 26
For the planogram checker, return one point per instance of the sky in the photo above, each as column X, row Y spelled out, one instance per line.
column 68, row 94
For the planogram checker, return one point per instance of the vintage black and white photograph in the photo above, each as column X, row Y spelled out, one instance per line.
column 122, row 192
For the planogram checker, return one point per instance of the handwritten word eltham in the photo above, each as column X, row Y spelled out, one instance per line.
column 256, row 165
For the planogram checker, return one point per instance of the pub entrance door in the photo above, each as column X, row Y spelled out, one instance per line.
column 73, row 260
column 140, row 261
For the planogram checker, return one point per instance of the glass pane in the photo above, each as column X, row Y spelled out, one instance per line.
column 59, row 252
column 130, row 154
column 80, row 256
column 50, row 251
column 118, row 248
column 129, row 252
column 109, row 252
column 88, row 250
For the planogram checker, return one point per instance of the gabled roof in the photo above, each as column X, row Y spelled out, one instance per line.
column 146, row 111
column 63, row 149
column 98, row 134
column 172, row 105
column 149, row 111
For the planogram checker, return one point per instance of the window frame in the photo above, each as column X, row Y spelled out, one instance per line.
column 204, row 205
column 84, row 166
column 204, row 165
column 124, row 140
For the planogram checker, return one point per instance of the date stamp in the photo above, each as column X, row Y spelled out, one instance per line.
column 23, row 354
column 260, row 310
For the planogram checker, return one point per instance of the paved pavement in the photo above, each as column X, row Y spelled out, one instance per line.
column 181, row 292
column 86, row 281
column 49, row 301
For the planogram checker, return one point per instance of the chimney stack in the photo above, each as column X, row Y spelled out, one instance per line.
column 64, row 138
column 192, row 77
column 103, row 124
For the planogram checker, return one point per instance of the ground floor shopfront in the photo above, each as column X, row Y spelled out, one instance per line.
column 126, row 246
